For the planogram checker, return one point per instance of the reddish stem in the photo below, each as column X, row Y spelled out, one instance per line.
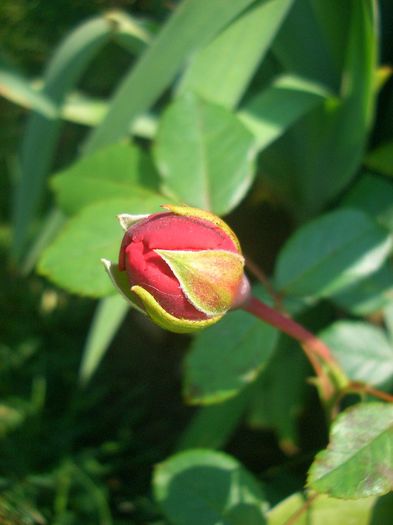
column 290, row 327
column 361, row 388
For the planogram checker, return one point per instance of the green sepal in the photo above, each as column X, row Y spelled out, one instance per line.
column 126, row 220
column 167, row 321
column 120, row 282
column 210, row 279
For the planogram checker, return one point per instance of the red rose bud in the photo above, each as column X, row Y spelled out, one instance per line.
column 183, row 267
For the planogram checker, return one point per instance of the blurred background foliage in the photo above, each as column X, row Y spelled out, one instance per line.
column 78, row 451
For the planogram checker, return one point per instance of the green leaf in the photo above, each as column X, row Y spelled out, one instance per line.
column 117, row 171
column 301, row 47
column 192, row 25
column 388, row 318
column 381, row 159
column 108, row 317
column 369, row 295
column 383, row 510
column 278, row 396
column 270, row 113
column 222, row 70
column 362, row 349
column 334, row 44
column 89, row 111
column 204, row 154
column 359, row 459
column 15, row 88
column 131, row 33
column 331, row 253
column 11, row 417
column 373, row 195
column 324, row 511
column 51, row 225
column 69, row 61
column 73, row 260
column 212, row 426
column 202, row 486
column 227, row 357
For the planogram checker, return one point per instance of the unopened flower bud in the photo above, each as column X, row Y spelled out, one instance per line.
column 183, row 267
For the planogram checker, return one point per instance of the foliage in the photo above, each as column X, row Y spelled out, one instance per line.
column 272, row 113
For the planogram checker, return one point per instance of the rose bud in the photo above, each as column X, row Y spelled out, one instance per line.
column 183, row 267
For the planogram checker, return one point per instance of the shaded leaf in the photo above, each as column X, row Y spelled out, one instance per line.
column 373, row 195
column 202, row 486
column 359, row 459
column 11, row 417
column 227, row 357
column 213, row 425
column 301, row 29
column 381, row 159
column 204, row 154
column 269, row 114
column 278, row 396
column 330, row 140
column 107, row 319
column 68, row 63
column 331, row 253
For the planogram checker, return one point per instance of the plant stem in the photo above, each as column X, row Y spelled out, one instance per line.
column 290, row 327
column 264, row 279
column 296, row 515
column 315, row 349
column 355, row 387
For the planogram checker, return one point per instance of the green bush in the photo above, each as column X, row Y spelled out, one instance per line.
column 277, row 115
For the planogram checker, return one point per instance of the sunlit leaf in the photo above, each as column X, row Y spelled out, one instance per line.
column 116, row 171
column 73, row 260
column 204, row 154
column 362, row 349
column 324, row 511
column 359, row 459
column 331, row 253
